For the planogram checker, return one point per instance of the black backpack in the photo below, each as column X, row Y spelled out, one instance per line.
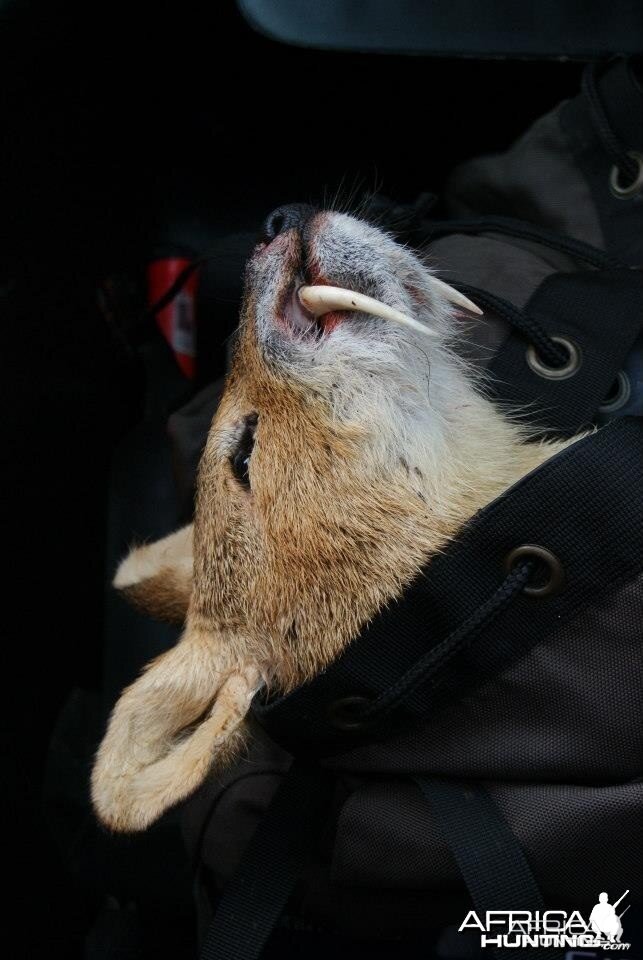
column 477, row 747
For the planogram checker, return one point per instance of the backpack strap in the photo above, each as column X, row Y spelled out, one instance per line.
column 275, row 859
column 492, row 862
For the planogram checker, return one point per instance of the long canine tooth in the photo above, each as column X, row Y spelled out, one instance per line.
column 455, row 296
column 321, row 299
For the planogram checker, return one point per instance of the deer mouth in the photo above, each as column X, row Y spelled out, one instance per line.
column 306, row 323
column 312, row 311
column 310, row 307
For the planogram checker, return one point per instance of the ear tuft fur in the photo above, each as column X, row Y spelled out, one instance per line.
column 157, row 577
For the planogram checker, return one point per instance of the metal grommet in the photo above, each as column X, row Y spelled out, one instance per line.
column 556, row 373
column 624, row 193
column 619, row 394
column 554, row 569
column 345, row 714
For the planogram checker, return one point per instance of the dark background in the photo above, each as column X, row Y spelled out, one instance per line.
column 125, row 126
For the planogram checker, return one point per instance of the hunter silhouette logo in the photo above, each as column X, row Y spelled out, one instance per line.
column 551, row 928
column 605, row 921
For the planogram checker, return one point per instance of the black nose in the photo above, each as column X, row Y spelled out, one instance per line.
column 285, row 218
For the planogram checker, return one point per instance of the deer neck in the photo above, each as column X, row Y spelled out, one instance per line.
column 469, row 453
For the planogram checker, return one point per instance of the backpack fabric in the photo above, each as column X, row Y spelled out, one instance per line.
column 527, row 705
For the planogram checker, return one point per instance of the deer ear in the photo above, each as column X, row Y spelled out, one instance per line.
column 157, row 577
column 183, row 714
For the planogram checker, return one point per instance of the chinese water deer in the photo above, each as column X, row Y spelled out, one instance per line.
column 351, row 443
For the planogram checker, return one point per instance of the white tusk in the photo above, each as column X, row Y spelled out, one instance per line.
column 454, row 295
column 321, row 299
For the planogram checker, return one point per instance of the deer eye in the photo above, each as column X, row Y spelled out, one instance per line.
column 240, row 459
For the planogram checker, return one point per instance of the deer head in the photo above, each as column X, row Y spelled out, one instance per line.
column 350, row 444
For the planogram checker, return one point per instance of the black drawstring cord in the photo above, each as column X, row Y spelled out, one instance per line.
column 522, row 230
column 549, row 351
column 406, row 685
column 626, row 165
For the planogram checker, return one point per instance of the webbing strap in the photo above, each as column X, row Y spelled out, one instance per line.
column 492, row 862
column 273, row 862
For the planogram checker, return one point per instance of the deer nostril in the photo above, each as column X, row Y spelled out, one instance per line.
column 292, row 215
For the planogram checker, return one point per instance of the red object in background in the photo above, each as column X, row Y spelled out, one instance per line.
column 177, row 321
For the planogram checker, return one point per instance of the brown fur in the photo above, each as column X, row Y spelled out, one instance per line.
column 162, row 596
column 157, row 577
